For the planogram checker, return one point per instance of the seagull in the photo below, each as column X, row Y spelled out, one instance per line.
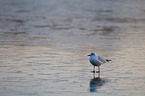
column 97, row 60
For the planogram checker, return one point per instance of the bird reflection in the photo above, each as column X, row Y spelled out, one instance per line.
column 96, row 83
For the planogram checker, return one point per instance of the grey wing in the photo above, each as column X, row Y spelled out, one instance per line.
column 101, row 59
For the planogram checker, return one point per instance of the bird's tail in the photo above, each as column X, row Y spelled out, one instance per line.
column 108, row 60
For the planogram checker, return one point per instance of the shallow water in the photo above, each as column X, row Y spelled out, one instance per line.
column 44, row 47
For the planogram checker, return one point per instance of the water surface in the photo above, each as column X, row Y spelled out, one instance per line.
column 44, row 47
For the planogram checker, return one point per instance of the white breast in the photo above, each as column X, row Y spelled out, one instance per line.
column 94, row 60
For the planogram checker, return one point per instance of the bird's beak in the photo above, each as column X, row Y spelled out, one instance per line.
column 88, row 55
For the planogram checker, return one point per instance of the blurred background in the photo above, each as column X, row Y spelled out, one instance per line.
column 44, row 46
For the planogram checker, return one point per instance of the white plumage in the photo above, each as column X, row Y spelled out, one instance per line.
column 97, row 60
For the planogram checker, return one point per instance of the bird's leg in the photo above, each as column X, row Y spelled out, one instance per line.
column 98, row 69
column 93, row 70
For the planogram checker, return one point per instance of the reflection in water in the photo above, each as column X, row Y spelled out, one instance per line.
column 96, row 83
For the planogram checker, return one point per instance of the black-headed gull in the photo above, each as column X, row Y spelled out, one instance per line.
column 97, row 60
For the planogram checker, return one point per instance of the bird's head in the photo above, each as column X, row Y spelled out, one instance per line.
column 92, row 54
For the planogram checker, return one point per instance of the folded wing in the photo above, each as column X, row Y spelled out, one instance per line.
column 101, row 59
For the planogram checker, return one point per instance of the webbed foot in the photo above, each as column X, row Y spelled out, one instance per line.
column 97, row 71
column 92, row 71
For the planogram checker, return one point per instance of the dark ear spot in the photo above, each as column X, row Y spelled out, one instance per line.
column 92, row 54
